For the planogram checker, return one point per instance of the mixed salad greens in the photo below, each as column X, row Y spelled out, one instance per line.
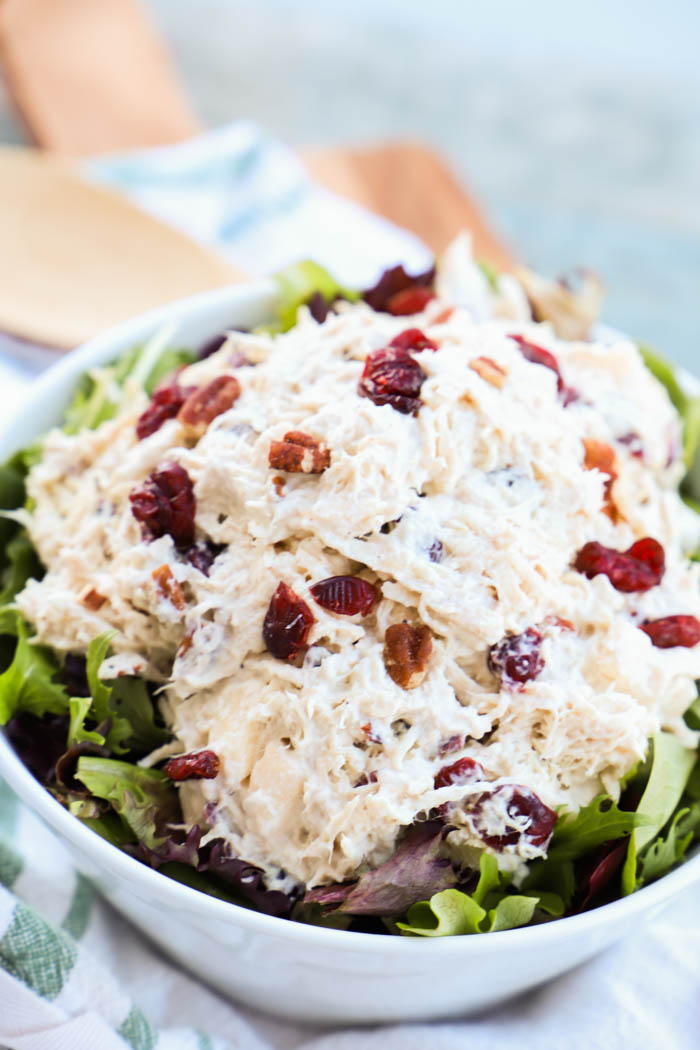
column 83, row 737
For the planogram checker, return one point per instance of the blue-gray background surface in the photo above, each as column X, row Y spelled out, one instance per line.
column 577, row 124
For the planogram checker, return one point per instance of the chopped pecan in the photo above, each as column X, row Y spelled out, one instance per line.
column 91, row 598
column 168, row 586
column 365, row 779
column 599, row 456
column 443, row 316
column 453, row 743
column 557, row 621
column 206, row 403
column 299, row 453
column 279, row 482
column 407, row 652
column 186, row 644
column 489, row 370
column 371, row 734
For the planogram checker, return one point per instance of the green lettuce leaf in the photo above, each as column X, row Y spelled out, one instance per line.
column 79, row 710
column 666, row 851
column 598, row 822
column 692, row 715
column 124, row 706
column 692, row 787
column 551, row 878
column 296, row 284
column 29, row 682
column 670, row 769
column 95, row 401
column 21, row 562
column 145, row 799
column 489, row 908
column 109, row 826
column 99, row 393
column 11, row 484
column 12, row 495
column 170, row 360
column 490, row 272
column 688, row 407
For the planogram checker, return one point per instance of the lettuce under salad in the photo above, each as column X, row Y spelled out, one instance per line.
column 83, row 738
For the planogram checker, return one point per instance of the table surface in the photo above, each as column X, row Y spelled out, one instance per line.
column 580, row 135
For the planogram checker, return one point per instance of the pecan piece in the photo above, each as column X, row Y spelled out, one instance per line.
column 206, row 403
column 168, row 587
column 600, row 456
column 91, row 598
column 299, row 453
column 489, row 370
column 407, row 652
column 371, row 734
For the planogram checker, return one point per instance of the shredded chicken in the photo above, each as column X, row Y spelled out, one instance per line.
column 467, row 516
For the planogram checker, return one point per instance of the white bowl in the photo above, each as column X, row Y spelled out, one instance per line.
column 301, row 972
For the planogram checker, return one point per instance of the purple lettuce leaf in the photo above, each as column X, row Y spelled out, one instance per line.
column 244, row 878
column 414, row 872
column 598, row 871
column 179, row 847
column 67, row 764
column 39, row 742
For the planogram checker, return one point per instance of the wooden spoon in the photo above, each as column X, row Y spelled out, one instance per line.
column 89, row 77
column 77, row 258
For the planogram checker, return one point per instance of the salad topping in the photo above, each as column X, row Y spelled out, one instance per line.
column 477, row 549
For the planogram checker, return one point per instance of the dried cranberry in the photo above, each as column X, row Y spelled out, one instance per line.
column 346, row 595
column 637, row 569
column 165, row 404
column 453, row 743
column 166, row 504
column 672, row 631
column 650, row 553
column 516, row 658
column 203, row 555
column 393, row 281
column 392, row 377
column 319, row 307
column 463, row 771
column 409, row 301
column 212, row 345
column 537, row 355
column 287, row 623
column 436, row 551
column 198, row 765
column 633, row 443
column 519, row 802
column 413, row 339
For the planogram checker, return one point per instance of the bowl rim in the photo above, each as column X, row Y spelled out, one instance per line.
column 172, row 893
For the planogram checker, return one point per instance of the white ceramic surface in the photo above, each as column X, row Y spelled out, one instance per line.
column 297, row 971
